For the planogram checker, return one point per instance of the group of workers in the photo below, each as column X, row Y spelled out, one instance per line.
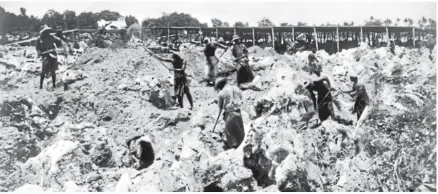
column 230, row 96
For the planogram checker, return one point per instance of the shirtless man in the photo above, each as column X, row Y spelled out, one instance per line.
column 362, row 99
column 324, row 103
column 181, row 86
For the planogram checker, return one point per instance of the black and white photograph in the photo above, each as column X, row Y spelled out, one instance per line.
column 218, row 96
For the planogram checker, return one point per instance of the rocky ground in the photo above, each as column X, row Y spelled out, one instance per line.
column 76, row 140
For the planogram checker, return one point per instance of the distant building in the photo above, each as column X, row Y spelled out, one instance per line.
column 118, row 24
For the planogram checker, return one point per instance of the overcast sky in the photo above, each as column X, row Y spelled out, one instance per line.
column 251, row 11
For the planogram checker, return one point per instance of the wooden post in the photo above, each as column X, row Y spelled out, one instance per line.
column 413, row 36
column 273, row 42
column 387, row 35
column 293, row 34
column 253, row 37
column 234, row 30
column 168, row 35
column 337, row 37
column 361, row 35
column 153, row 34
column 316, row 37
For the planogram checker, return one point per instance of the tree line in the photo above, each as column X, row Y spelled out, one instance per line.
column 9, row 22
column 23, row 22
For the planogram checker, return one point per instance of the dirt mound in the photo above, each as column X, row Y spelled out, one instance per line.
column 76, row 140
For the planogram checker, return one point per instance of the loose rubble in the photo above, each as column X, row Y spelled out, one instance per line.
column 75, row 138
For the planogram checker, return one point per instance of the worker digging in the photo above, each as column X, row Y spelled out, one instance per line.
column 177, row 103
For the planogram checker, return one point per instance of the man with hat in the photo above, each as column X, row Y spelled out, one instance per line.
column 181, row 85
column 46, row 46
column 360, row 91
column 324, row 104
column 239, row 51
column 212, row 60
column 230, row 101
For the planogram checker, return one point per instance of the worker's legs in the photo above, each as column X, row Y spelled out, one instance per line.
column 54, row 79
column 332, row 110
column 42, row 79
column 189, row 96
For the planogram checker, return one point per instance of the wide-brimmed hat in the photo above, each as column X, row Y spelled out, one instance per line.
column 45, row 28
column 220, row 81
column 206, row 40
column 235, row 37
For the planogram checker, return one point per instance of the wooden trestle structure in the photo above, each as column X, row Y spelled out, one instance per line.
column 329, row 38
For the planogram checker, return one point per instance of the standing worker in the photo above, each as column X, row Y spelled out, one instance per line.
column 362, row 99
column 45, row 46
column 240, row 53
column 181, row 86
column 212, row 60
column 392, row 46
column 230, row 101
column 324, row 104
column 313, row 63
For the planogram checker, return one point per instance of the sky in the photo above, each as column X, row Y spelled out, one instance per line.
column 251, row 11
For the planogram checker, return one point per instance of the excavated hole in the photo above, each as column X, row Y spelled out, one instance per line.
column 213, row 188
column 107, row 118
column 147, row 155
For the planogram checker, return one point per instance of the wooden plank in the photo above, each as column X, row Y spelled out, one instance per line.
column 273, row 42
column 316, row 37
column 253, row 37
column 413, row 36
column 293, row 34
column 217, row 35
column 337, row 38
column 387, row 34
column 361, row 34
column 168, row 35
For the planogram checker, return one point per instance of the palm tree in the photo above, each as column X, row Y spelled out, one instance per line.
column 398, row 21
column 424, row 20
column 432, row 22
column 410, row 21
column 387, row 22
column 420, row 23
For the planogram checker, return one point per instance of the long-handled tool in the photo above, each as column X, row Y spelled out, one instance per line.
column 217, row 120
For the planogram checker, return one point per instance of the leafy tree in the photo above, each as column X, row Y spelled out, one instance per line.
column 225, row 24
column 86, row 20
column 53, row 18
column 70, row 19
column 265, row 22
column 108, row 15
column 410, row 22
column 387, row 22
column 373, row 22
column 285, row 24
column 301, row 24
column 130, row 20
column 174, row 19
column 23, row 11
column 216, row 22
column 239, row 24
column 432, row 23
